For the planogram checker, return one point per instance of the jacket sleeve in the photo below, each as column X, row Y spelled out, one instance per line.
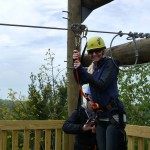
column 72, row 125
column 108, row 75
column 83, row 75
column 76, row 73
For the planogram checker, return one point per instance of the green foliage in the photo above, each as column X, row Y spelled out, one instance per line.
column 47, row 96
column 13, row 108
column 5, row 106
column 134, row 88
column 47, row 99
column 47, row 93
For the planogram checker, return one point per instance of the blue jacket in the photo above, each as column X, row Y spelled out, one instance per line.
column 103, row 82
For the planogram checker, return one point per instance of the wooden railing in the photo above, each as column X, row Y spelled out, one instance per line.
column 33, row 134
column 139, row 135
column 48, row 135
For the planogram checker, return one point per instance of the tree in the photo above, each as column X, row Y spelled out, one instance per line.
column 134, row 88
column 47, row 97
column 47, row 93
column 14, row 108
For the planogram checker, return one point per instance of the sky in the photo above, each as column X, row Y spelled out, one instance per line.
column 23, row 49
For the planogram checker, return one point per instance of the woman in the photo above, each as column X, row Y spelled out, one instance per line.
column 102, row 79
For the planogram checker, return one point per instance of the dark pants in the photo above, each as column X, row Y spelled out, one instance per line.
column 108, row 136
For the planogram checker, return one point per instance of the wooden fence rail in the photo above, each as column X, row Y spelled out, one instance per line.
column 140, row 134
column 47, row 135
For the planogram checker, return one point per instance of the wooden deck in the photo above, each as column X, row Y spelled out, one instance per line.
column 22, row 134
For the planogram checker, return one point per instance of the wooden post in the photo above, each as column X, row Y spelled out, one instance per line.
column 74, row 16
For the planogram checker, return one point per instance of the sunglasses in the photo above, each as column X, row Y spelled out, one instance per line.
column 96, row 51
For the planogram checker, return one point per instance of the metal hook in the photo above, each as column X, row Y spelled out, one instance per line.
column 67, row 13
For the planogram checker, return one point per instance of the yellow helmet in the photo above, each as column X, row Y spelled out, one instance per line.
column 95, row 43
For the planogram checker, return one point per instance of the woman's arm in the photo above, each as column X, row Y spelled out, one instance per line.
column 108, row 75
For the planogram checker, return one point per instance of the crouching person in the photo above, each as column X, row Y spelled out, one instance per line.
column 81, row 124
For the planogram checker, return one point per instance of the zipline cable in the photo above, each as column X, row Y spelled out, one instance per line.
column 54, row 28
column 78, row 28
column 138, row 35
column 30, row 26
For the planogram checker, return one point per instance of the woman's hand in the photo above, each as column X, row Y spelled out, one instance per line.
column 76, row 58
column 76, row 64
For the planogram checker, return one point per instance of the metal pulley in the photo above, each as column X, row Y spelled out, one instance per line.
column 79, row 31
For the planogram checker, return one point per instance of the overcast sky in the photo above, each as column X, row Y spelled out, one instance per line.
column 23, row 49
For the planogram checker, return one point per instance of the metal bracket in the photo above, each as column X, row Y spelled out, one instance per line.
column 67, row 13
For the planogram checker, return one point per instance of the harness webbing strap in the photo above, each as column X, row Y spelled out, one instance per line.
column 93, row 104
column 80, row 87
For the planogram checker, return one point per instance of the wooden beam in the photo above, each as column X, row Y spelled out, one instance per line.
column 94, row 3
column 125, row 53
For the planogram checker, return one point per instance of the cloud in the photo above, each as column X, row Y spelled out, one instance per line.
column 119, row 15
column 23, row 49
